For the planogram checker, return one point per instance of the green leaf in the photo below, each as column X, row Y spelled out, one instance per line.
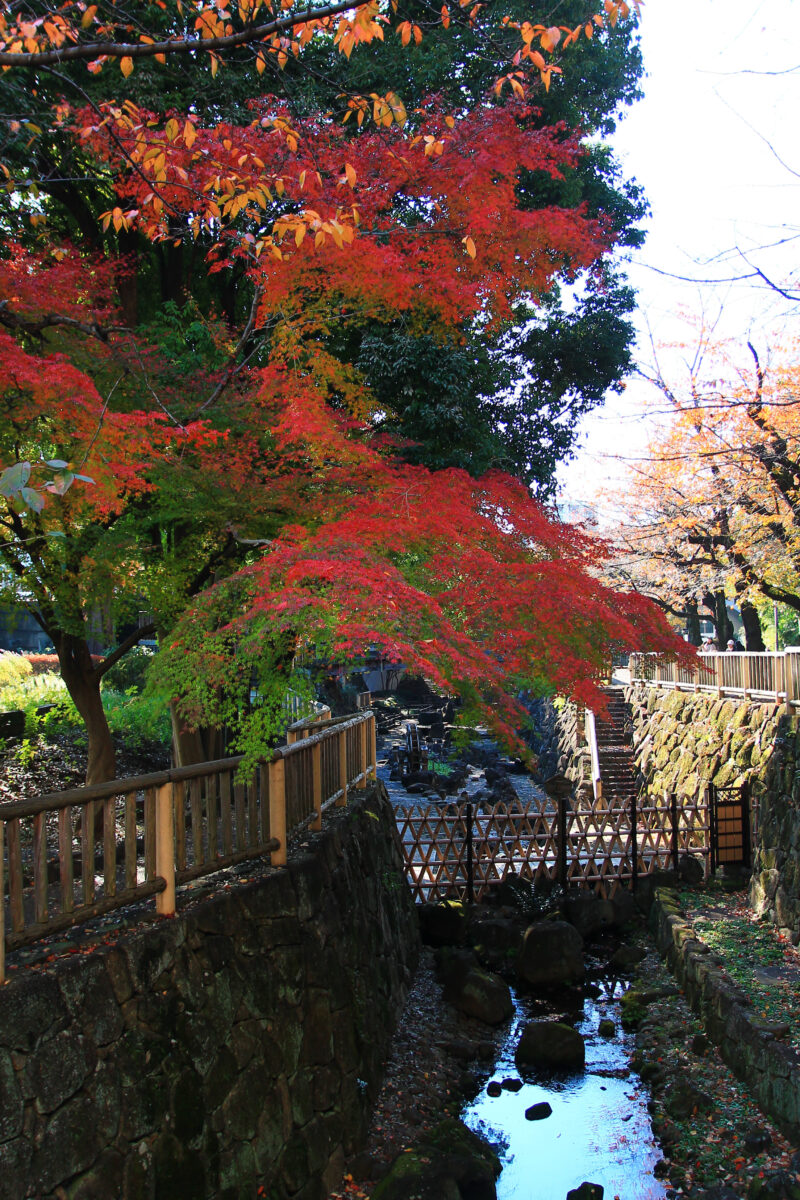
column 57, row 464
column 13, row 479
column 60, row 483
column 32, row 498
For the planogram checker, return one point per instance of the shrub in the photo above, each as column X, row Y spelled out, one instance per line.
column 43, row 664
column 13, row 668
column 130, row 671
column 138, row 720
column 29, row 694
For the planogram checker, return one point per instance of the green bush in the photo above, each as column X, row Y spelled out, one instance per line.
column 30, row 693
column 130, row 671
column 14, row 668
column 138, row 720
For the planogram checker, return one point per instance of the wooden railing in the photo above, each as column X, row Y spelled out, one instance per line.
column 766, row 676
column 591, row 740
column 60, row 864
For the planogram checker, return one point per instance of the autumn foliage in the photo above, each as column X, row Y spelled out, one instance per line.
column 714, row 507
column 245, row 489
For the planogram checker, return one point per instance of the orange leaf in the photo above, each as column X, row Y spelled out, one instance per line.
column 126, row 66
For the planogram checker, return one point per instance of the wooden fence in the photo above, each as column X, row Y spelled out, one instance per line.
column 765, row 676
column 456, row 850
column 60, row 864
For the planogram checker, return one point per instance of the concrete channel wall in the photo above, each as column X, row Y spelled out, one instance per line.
column 231, row 1051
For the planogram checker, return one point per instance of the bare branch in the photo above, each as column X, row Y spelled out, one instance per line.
column 244, row 37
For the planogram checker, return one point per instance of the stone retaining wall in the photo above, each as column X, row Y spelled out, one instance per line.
column 685, row 740
column 231, row 1051
column 559, row 747
column 749, row 1046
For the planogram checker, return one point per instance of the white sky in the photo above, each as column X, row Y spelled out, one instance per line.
column 723, row 79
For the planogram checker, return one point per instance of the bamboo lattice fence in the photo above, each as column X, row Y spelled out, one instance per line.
column 603, row 846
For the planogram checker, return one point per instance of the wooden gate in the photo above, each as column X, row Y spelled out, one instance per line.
column 729, row 811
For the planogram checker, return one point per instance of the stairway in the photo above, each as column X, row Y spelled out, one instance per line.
column 618, row 773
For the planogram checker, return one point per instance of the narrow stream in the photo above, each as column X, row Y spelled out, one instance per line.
column 599, row 1129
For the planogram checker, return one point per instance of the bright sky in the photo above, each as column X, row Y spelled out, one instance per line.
column 723, row 81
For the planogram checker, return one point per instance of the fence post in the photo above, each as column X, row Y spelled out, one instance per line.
column 342, row 769
column 562, row 840
column 673, row 805
column 277, row 810
column 789, row 660
column 718, row 673
column 316, row 785
column 2, row 902
column 634, row 845
column 746, row 674
column 779, row 675
column 712, row 828
column 373, row 725
column 165, row 850
column 747, row 839
column 362, row 754
column 470, row 866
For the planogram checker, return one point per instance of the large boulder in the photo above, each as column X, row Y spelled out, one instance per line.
column 449, row 1163
column 551, row 1045
column 590, row 914
column 551, row 954
column 443, row 924
column 484, row 996
column 587, row 1191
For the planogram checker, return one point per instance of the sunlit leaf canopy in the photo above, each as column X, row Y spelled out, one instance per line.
column 191, row 289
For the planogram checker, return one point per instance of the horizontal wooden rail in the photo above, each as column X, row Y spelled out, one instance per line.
column 67, row 857
column 753, row 676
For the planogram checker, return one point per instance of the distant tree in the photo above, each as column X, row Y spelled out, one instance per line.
column 717, row 504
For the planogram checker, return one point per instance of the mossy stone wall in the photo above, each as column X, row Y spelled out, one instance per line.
column 560, row 745
column 684, row 740
column 748, row 1045
column 233, row 1051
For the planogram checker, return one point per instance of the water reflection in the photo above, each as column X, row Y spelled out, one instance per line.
column 599, row 1129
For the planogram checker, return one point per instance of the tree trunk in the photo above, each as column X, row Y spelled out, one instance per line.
column 82, row 681
column 191, row 746
column 753, row 639
column 693, row 624
column 721, row 622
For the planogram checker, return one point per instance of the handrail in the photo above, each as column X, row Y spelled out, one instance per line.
column 752, row 675
column 162, row 829
column 591, row 741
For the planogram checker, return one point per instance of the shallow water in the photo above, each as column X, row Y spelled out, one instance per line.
column 599, row 1129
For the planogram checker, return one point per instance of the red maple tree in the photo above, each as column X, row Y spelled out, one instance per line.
column 254, row 504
